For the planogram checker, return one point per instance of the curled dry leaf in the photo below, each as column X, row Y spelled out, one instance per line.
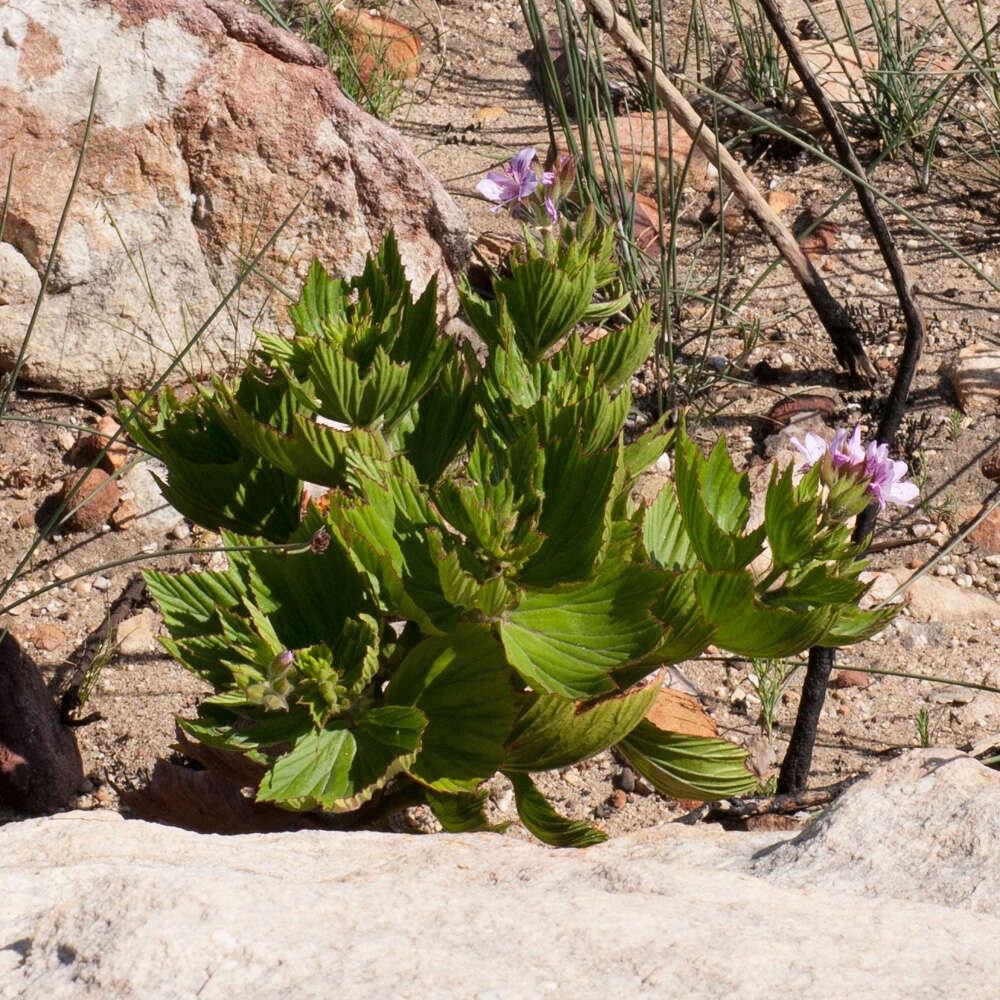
column 678, row 712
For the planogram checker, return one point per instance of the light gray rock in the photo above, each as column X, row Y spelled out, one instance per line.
column 211, row 125
column 924, row 828
column 94, row 905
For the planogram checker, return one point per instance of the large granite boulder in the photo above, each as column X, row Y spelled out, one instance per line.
column 93, row 905
column 211, row 125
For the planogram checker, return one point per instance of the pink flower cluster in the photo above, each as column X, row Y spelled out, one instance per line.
column 517, row 182
column 850, row 457
column 530, row 195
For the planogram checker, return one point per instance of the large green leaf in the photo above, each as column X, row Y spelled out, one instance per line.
column 545, row 823
column 463, row 813
column 551, row 731
column 574, row 517
column 687, row 767
column 715, row 502
column 462, row 683
column 747, row 627
column 307, row 594
column 212, row 478
column 545, row 302
column 851, row 624
column 387, row 536
column 442, row 422
column 321, row 303
column 566, row 639
column 340, row 769
column 664, row 535
column 311, row 451
column 190, row 601
column 615, row 357
column 791, row 524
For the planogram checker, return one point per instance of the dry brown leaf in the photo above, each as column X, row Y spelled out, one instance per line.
column 678, row 712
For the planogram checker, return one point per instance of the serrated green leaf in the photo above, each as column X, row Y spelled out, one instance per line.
column 340, row 769
column 462, row 684
column 664, row 535
column 687, row 767
column 245, row 728
column 307, row 595
column 566, row 639
column 745, row 626
column 615, row 357
column 545, row 302
column 321, row 303
column 189, row 601
column 463, row 813
column 791, row 525
column 715, row 501
column 576, row 488
column 545, row 823
column 551, row 731
column 850, row 624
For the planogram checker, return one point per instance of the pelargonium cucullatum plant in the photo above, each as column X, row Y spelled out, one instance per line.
column 477, row 591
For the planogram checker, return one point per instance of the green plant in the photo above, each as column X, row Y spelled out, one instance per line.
column 954, row 425
column 764, row 68
column 477, row 591
column 364, row 73
column 769, row 678
column 923, row 727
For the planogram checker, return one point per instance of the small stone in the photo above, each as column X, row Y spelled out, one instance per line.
column 625, row 779
column 850, row 679
column 48, row 637
column 180, row 531
column 62, row 571
column 136, row 635
column 102, row 582
column 91, row 445
column 963, row 580
column 65, row 439
column 97, row 492
column 922, row 529
column 86, row 787
column 619, row 799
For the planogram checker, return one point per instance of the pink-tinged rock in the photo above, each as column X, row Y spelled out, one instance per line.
column 211, row 126
column 40, row 766
column 936, row 599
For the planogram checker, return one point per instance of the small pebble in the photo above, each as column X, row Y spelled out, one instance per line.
column 180, row 531
column 102, row 583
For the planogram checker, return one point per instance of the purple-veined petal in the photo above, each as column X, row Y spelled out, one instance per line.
column 813, row 449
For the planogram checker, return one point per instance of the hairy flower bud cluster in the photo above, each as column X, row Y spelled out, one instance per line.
column 856, row 474
column 529, row 195
column 273, row 693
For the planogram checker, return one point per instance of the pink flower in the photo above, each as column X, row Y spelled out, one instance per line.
column 515, row 182
column 886, row 476
column 845, row 461
column 847, row 451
